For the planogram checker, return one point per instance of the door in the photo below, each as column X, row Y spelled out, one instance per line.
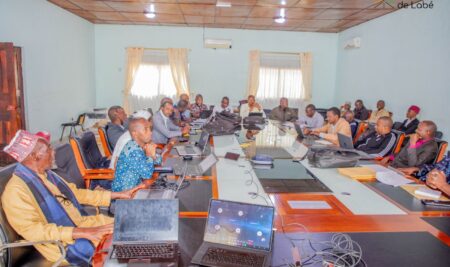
column 11, row 97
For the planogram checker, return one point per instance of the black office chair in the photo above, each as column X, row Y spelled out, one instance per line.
column 267, row 111
column 323, row 112
column 442, row 147
column 439, row 135
column 73, row 125
column 397, row 125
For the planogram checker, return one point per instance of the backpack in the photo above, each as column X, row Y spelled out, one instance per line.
column 332, row 158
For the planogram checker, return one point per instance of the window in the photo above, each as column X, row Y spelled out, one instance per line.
column 279, row 76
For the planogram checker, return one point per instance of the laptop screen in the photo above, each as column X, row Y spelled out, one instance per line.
column 204, row 138
column 144, row 220
column 239, row 225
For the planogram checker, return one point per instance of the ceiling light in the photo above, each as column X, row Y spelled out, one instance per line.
column 280, row 20
column 223, row 4
column 283, row 2
column 150, row 15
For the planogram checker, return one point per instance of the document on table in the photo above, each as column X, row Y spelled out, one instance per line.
column 309, row 205
column 388, row 176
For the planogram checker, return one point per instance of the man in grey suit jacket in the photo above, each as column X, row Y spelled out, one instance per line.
column 163, row 127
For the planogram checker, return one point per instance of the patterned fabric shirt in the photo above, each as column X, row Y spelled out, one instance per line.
column 443, row 165
column 132, row 167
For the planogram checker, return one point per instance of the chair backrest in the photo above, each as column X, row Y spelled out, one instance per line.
column 105, row 142
column 267, row 111
column 323, row 112
column 400, row 138
column 438, row 135
column 442, row 148
column 67, row 165
column 362, row 126
column 81, row 118
column 86, row 151
column 295, row 111
column 397, row 125
column 150, row 110
column 211, row 107
column 370, row 113
column 242, row 102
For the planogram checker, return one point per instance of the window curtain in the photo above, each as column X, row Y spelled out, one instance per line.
column 153, row 81
column 280, row 76
column 253, row 70
column 306, row 69
column 134, row 58
column 178, row 61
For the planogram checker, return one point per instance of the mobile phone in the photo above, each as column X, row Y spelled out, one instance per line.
column 232, row 156
column 436, row 203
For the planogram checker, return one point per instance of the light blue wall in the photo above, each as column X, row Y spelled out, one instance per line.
column 214, row 73
column 58, row 61
column 405, row 59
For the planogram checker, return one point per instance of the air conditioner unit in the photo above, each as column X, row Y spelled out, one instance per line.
column 217, row 43
column 353, row 43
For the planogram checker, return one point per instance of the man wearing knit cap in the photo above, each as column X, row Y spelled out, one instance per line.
column 409, row 125
column 40, row 205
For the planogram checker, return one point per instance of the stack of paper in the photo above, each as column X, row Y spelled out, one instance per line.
column 388, row 176
column 358, row 173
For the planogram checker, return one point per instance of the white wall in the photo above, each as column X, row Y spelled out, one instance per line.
column 214, row 73
column 58, row 61
column 405, row 59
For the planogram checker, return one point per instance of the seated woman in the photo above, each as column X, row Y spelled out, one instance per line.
column 197, row 108
column 437, row 176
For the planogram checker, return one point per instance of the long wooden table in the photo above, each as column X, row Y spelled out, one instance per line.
column 363, row 208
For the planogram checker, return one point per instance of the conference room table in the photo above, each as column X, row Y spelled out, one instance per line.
column 392, row 227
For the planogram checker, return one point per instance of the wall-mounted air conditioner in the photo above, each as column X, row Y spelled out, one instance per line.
column 217, row 43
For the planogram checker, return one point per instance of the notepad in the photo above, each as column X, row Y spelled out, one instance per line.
column 358, row 173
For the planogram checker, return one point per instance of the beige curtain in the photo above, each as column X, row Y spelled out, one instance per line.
column 253, row 72
column 178, row 60
column 134, row 59
column 306, row 69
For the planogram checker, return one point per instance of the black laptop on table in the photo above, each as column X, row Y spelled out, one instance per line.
column 236, row 234
column 194, row 150
column 146, row 229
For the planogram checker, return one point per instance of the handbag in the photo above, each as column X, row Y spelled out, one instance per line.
column 332, row 158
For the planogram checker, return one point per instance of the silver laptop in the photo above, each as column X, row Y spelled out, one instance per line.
column 194, row 150
column 167, row 193
column 346, row 142
column 145, row 229
column 236, row 234
column 196, row 169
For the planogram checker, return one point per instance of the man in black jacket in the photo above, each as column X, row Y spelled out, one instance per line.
column 361, row 113
column 409, row 125
column 380, row 142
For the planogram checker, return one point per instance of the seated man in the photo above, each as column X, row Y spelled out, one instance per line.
column 123, row 140
column 198, row 107
column 117, row 126
column 409, row 125
column 350, row 118
column 251, row 106
column 361, row 113
column 313, row 119
column 138, row 158
column 380, row 112
column 187, row 112
column 224, row 106
column 421, row 148
column 346, row 107
column 335, row 125
column 283, row 112
column 380, row 142
column 40, row 205
column 163, row 127
column 179, row 116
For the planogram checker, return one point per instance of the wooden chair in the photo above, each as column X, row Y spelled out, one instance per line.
column 84, row 165
column 400, row 138
column 105, row 142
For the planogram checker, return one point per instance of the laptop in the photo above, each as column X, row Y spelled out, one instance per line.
column 194, row 150
column 255, row 114
column 346, row 142
column 204, row 114
column 236, row 234
column 195, row 169
column 307, row 139
column 167, row 193
column 145, row 229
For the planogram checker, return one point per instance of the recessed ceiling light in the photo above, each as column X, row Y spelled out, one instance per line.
column 283, row 2
column 223, row 4
column 280, row 20
column 150, row 15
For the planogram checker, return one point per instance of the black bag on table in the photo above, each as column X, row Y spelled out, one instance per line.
column 254, row 120
column 332, row 158
column 224, row 123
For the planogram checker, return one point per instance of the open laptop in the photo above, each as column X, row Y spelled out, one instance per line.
column 167, row 193
column 145, row 229
column 236, row 234
column 307, row 139
column 346, row 142
column 194, row 150
column 195, row 169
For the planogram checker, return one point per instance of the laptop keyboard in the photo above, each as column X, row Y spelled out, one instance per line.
column 190, row 150
column 159, row 251
column 178, row 169
column 223, row 257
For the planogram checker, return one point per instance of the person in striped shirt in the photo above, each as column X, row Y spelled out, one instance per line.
column 380, row 142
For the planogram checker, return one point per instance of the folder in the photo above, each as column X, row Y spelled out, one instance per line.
column 358, row 173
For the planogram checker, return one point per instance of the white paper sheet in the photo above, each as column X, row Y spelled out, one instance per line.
column 309, row 204
column 392, row 178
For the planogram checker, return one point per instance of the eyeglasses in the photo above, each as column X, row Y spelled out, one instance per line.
column 64, row 200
